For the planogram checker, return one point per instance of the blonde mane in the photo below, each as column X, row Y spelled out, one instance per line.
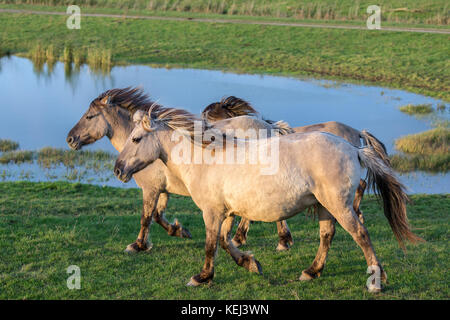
column 184, row 122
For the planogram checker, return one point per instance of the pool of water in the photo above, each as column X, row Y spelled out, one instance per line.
column 39, row 108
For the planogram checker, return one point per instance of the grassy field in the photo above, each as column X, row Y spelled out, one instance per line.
column 413, row 11
column 413, row 61
column 45, row 227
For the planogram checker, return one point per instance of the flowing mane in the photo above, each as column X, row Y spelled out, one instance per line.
column 131, row 99
column 232, row 107
column 184, row 121
column 176, row 119
column 226, row 108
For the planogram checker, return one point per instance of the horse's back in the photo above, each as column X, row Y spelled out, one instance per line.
column 337, row 128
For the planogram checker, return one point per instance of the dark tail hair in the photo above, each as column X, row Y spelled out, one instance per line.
column 376, row 145
column 382, row 179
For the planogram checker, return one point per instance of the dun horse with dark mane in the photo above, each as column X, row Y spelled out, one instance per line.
column 315, row 168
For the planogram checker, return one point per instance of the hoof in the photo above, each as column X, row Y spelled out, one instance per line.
column 185, row 233
column 306, row 276
column 134, row 248
column 195, row 283
column 252, row 265
column 177, row 230
column 282, row 247
column 373, row 288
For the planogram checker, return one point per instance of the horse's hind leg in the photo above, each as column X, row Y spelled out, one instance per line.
column 175, row 229
column 240, row 237
column 358, row 197
column 284, row 236
column 327, row 230
column 242, row 259
column 348, row 220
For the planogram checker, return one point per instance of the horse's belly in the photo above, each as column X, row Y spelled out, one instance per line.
column 273, row 208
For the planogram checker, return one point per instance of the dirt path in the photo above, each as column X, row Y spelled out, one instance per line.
column 288, row 24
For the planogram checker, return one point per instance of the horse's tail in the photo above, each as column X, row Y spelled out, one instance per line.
column 229, row 107
column 382, row 179
column 376, row 145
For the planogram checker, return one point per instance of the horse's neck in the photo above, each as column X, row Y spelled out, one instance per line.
column 121, row 129
column 178, row 169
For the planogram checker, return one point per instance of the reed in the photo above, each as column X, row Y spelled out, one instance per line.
column 17, row 157
column 67, row 54
column 99, row 59
column 8, row 145
column 79, row 57
column 417, row 109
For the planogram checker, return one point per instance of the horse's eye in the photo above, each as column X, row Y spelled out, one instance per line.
column 89, row 117
column 136, row 140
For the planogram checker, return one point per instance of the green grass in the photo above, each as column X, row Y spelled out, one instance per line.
column 8, row 145
column 46, row 227
column 417, row 109
column 48, row 157
column 412, row 61
column 426, row 151
column 434, row 141
column 413, row 11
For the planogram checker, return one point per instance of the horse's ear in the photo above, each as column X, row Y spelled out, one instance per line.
column 137, row 116
column 106, row 101
column 147, row 123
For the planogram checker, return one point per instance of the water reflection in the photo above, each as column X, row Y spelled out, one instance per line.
column 41, row 103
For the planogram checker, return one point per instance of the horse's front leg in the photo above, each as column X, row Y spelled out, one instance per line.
column 175, row 229
column 142, row 243
column 246, row 260
column 213, row 222
column 284, row 236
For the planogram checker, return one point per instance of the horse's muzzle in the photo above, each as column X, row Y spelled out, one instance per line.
column 120, row 173
column 74, row 142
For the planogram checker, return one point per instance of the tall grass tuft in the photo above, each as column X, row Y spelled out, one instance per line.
column 434, row 141
column 426, row 151
column 38, row 56
column 67, row 54
column 17, row 156
column 51, row 57
column 8, row 145
column 99, row 59
column 79, row 57
column 417, row 109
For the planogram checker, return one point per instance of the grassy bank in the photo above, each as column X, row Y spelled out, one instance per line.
column 45, row 227
column 414, row 11
column 416, row 62
column 427, row 151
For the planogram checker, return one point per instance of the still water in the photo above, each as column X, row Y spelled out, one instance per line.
column 39, row 108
